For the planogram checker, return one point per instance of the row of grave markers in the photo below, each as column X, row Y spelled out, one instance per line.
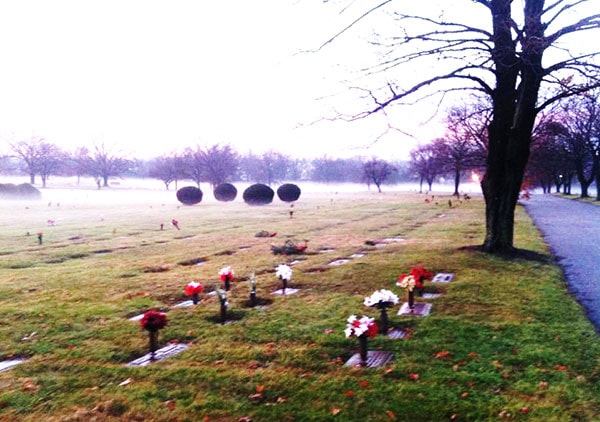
column 377, row 358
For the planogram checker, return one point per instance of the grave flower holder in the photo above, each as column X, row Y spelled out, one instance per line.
column 408, row 282
column 226, row 275
column 284, row 273
column 363, row 329
column 194, row 289
column 152, row 321
column 252, row 290
column 223, row 305
column 382, row 299
column 420, row 274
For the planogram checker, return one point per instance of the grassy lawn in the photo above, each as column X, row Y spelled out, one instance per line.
column 504, row 341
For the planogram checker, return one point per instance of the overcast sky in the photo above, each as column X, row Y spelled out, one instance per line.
column 153, row 77
column 156, row 76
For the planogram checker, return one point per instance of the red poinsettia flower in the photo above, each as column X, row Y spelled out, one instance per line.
column 193, row 287
column 154, row 320
column 226, row 273
column 421, row 274
column 372, row 330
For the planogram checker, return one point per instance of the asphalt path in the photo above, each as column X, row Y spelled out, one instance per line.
column 572, row 231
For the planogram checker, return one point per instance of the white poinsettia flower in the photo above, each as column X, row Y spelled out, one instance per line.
column 357, row 327
column 226, row 271
column 284, row 272
column 407, row 282
column 380, row 297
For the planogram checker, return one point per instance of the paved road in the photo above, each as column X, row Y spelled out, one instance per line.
column 572, row 230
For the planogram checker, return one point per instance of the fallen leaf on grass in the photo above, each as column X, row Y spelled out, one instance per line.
column 349, row 393
column 442, row 354
column 497, row 364
column 281, row 400
column 364, row 384
column 413, row 377
column 390, row 414
column 170, row 404
column 473, row 355
column 127, row 381
column 255, row 396
column 464, row 394
column 29, row 386
column 260, row 388
column 561, row 368
column 335, row 411
column 328, row 331
column 543, row 384
column 525, row 410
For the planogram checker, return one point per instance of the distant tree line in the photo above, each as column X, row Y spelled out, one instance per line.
column 565, row 147
column 213, row 164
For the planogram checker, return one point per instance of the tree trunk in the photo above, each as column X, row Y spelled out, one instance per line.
column 518, row 78
column 32, row 178
column 456, row 182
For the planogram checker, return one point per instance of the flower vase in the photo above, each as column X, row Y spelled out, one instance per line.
column 411, row 299
column 195, row 298
column 227, row 284
column 284, row 284
column 153, row 343
column 362, row 343
column 253, row 299
column 384, row 320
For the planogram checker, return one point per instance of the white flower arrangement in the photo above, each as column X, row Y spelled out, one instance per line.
column 284, row 272
column 382, row 297
column 408, row 282
column 357, row 327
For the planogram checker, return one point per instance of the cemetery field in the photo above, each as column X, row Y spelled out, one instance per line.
column 503, row 340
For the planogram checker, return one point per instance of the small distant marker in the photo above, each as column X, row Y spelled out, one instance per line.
column 443, row 278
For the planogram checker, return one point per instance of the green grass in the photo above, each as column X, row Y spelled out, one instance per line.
column 516, row 345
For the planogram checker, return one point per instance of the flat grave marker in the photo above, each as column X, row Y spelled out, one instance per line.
column 395, row 334
column 339, row 262
column 10, row 363
column 375, row 359
column 443, row 278
column 420, row 309
column 288, row 291
column 431, row 295
column 163, row 353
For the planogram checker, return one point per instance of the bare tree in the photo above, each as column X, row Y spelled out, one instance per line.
column 377, row 171
column 514, row 56
column 168, row 169
column 215, row 164
column 425, row 163
column 30, row 151
column 104, row 163
column 580, row 118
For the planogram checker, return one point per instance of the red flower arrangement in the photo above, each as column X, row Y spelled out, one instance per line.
column 193, row 288
column 154, row 320
column 420, row 274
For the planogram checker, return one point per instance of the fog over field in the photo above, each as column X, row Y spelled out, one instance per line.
column 151, row 191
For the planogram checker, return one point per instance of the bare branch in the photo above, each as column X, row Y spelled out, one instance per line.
column 347, row 27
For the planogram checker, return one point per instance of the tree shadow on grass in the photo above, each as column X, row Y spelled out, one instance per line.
column 515, row 254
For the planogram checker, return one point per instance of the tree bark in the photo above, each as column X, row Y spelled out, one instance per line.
column 518, row 78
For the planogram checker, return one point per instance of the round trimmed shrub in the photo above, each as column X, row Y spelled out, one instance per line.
column 288, row 192
column 258, row 194
column 189, row 195
column 225, row 192
column 22, row 191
